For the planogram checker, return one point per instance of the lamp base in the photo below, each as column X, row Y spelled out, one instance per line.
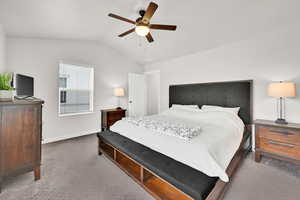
column 281, row 121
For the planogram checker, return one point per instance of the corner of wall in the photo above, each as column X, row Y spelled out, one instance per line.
column 2, row 49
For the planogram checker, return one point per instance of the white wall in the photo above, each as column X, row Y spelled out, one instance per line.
column 269, row 57
column 40, row 59
column 153, row 92
column 2, row 49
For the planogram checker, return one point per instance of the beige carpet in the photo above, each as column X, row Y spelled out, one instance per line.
column 72, row 171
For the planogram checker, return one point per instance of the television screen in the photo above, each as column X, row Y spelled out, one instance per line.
column 24, row 85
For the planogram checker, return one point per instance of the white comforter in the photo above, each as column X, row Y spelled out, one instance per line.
column 210, row 152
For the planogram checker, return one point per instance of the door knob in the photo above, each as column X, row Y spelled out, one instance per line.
column 130, row 101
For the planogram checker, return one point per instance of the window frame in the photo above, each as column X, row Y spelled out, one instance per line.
column 91, row 98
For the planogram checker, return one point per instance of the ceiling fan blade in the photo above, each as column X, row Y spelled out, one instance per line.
column 121, row 18
column 127, row 32
column 149, row 37
column 150, row 11
column 163, row 27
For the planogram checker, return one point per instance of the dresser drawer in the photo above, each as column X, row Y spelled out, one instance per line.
column 282, row 148
column 278, row 134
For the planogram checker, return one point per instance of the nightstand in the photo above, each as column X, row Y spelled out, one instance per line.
column 110, row 116
column 277, row 141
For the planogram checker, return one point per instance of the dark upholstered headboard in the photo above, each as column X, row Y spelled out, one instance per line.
column 227, row 94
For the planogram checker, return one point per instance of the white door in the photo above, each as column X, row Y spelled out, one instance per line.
column 136, row 95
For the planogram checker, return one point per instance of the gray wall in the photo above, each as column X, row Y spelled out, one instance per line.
column 40, row 59
column 272, row 56
column 2, row 49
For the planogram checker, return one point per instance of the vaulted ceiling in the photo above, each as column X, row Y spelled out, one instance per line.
column 202, row 24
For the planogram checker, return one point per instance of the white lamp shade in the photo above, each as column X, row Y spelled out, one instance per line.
column 282, row 89
column 119, row 92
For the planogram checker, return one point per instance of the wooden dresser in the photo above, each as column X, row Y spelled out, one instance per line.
column 110, row 116
column 277, row 141
column 20, row 138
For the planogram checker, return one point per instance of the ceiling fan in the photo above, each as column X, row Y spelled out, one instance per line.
column 142, row 24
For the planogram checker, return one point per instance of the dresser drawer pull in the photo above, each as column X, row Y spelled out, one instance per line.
column 281, row 144
column 281, row 132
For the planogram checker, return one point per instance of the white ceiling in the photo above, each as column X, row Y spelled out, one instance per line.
column 202, row 24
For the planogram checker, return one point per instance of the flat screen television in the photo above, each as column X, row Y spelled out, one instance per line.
column 24, row 85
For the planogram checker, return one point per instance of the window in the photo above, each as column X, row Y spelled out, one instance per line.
column 63, row 96
column 62, row 82
column 76, row 89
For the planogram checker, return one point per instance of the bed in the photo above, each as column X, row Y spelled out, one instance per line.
column 169, row 174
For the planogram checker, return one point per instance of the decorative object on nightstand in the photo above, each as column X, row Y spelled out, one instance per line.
column 119, row 92
column 281, row 90
column 110, row 116
column 281, row 141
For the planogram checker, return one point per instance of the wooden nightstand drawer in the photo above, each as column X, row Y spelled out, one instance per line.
column 279, row 134
column 114, row 116
column 280, row 141
column 110, row 116
column 282, row 148
column 111, row 122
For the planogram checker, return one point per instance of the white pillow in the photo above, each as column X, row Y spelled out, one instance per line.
column 185, row 107
column 220, row 108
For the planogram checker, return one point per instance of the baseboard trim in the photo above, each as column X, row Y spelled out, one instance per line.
column 65, row 137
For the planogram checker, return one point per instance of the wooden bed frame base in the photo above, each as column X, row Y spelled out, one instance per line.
column 158, row 187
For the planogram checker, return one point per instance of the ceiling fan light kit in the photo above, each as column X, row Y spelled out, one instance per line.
column 142, row 30
column 142, row 24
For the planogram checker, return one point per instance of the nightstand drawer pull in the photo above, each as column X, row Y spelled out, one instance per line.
column 281, row 144
column 281, row 132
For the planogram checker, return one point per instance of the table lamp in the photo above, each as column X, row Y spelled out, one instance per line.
column 119, row 92
column 281, row 90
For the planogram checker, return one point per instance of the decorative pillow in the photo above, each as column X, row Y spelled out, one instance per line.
column 220, row 108
column 185, row 107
